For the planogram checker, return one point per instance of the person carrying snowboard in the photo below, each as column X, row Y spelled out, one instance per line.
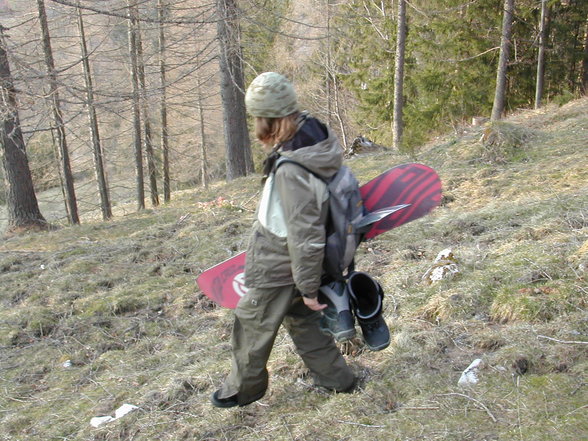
column 284, row 260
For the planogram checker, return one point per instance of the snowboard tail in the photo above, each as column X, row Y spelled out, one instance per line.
column 224, row 283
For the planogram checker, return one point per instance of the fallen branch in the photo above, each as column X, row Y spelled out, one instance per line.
column 475, row 401
column 579, row 408
column 287, row 427
column 419, row 408
column 575, row 391
column 565, row 342
column 361, row 425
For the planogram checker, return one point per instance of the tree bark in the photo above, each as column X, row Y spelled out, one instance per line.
column 541, row 54
column 148, row 138
column 398, row 124
column 200, row 108
column 21, row 201
column 239, row 160
column 137, row 141
column 505, row 42
column 96, row 144
column 161, row 8
column 584, row 86
column 328, row 67
column 338, row 113
column 63, row 152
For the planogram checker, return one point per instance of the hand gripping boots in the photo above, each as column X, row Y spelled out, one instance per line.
column 366, row 298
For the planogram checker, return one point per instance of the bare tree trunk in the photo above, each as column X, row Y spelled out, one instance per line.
column 147, row 140
column 203, row 160
column 65, row 166
column 334, row 113
column 161, row 7
column 239, row 160
column 328, row 66
column 500, row 93
column 398, row 124
column 541, row 54
column 21, row 201
column 585, row 61
column 96, row 145
column 573, row 75
column 132, row 31
column 338, row 112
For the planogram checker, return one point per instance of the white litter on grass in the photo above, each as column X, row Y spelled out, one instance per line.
column 123, row 410
column 444, row 267
column 98, row 421
column 119, row 413
column 470, row 375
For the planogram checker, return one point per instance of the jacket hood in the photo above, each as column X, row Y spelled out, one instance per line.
column 323, row 158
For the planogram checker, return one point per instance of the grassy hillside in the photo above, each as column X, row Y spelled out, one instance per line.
column 103, row 314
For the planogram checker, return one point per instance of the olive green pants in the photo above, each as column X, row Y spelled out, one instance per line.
column 258, row 317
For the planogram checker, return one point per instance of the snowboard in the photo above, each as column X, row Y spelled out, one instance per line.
column 417, row 185
column 397, row 196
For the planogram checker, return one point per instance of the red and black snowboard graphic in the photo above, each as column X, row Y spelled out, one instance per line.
column 413, row 184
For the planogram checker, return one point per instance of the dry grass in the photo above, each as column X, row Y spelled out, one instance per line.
column 102, row 314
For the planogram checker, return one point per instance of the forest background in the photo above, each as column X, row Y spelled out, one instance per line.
column 157, row 88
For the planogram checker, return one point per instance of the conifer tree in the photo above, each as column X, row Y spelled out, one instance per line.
column 585, row 62
column 541, row 53
column 145, row 113
column 239, row 161
column 94, row 129
column 67, row 180
column 505, row 43
column 136, row 104
column 21, row 201
column 398, row 124
column 162, row 14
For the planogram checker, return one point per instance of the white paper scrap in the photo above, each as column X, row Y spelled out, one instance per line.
column 119, row 413
column 98, row 421
column 470, row 375
column 123, row 410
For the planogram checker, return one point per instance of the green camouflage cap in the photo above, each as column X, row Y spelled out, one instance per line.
column 271, row 95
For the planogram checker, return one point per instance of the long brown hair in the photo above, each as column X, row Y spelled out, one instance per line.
column 272, row 131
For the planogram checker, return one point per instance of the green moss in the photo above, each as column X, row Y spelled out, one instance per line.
column 521, row 304
column 38, row 321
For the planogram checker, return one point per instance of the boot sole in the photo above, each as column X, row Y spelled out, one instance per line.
column 345, row 335
column 379, row 347
column 225, row 404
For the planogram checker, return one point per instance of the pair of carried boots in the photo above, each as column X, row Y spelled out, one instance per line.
column 360, row 296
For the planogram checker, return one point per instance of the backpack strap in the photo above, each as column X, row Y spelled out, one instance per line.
column 283, row 160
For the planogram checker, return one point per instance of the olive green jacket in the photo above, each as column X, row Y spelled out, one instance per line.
column 288, row 239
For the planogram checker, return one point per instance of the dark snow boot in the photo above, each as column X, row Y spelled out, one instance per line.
column 366, row 297
column 337, row 319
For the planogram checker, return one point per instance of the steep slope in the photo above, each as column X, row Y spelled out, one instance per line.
column 103, row 314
